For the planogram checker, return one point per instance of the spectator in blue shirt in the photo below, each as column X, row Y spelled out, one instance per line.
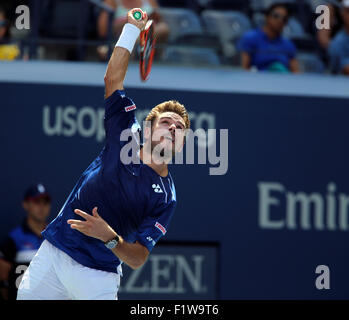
column 22, row 243
column 265, row 48
column 339, row 47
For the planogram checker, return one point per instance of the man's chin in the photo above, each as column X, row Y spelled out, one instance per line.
column 167, row 151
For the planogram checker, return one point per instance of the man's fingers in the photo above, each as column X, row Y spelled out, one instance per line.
column 76, row 222
column 79, row 225
column 140, row 23
column 95, row 212
column 79, row 228
column 145, row 16
column 137, row 9
column 83, row 214
column 75, row 226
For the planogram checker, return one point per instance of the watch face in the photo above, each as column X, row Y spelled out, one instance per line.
column 111, row 244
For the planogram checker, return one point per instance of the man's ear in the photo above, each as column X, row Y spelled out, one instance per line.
column 147, row 129
column 147, row 132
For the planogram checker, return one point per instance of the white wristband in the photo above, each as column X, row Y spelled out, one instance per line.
column 128, row 37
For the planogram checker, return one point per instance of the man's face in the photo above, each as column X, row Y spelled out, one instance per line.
column 277, row 19
column 168, row 132
column 38, row 209
column 345, row 16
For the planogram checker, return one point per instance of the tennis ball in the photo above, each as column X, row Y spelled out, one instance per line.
column 137, row 15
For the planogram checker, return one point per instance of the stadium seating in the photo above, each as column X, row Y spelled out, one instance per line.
column 240, row 5
column 258, row 19
column 294, row 29
column 59, row 18
column 191, row 56
column 182, row 22
column 69, row 23
column 210, row 27
column 229, row 25
column 173, row 3
column 261, row 5
column 315, row 3
column 310, row 63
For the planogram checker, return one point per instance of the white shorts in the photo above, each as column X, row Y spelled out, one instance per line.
column 53, row 275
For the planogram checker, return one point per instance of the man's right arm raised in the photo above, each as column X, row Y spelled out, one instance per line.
column 118, row 63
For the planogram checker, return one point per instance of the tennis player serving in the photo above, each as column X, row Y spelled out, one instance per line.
column 116, row 212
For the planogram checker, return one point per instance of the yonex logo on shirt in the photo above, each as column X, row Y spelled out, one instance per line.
column 157, row 188
column 151, row 240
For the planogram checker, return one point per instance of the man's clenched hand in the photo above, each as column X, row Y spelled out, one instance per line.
column 138, row 23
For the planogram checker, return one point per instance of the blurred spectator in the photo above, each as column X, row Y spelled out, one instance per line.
column 339, row 47
column 121, row 8
column 22, row 243
column 324, row 36
column 8, row 51
column 265, row 48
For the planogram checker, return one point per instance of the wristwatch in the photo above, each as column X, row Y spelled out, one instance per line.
column 111, row 244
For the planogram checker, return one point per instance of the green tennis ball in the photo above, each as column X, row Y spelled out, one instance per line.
column 137, row 15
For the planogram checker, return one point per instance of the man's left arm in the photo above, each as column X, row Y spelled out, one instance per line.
column 246, row 46
column 293, row 62
column 346, row 70
column 294, row 65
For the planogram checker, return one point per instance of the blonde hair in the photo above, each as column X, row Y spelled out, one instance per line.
column 169, row 106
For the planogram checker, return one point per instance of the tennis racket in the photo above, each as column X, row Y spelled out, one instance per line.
column 147, row 47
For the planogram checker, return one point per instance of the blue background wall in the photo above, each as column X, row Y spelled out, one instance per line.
column 296, row 141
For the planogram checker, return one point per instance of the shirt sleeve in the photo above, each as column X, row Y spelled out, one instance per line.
column 119, row 115
column 155, row 226
column 8, row 249
column 247, row 43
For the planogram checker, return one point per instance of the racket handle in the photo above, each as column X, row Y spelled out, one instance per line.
column 138, row 15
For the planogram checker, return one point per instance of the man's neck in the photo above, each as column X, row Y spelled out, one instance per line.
column 35, row 226
column 160, row 169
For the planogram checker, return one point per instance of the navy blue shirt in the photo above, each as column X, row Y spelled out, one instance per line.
column 132, row 198
column 265, row 51
column 19, row 248
column 20, row 245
